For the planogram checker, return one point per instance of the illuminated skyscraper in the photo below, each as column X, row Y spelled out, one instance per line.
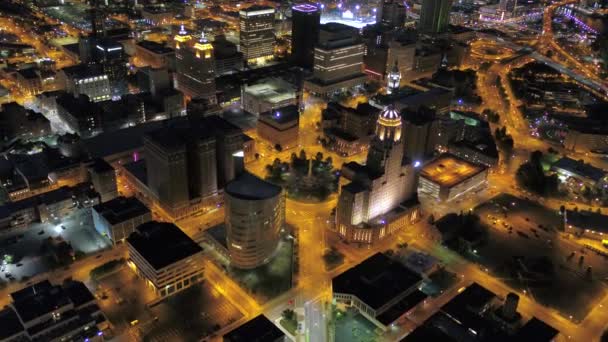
column 375, row 204
column 434, row 16
column 393, row 79
column 256, row 33
column 195, row 74
column 306, row 19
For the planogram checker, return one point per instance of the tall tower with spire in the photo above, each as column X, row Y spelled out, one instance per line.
column 393, row 79
column 182, row 38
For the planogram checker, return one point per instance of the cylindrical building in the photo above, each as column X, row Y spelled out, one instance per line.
column 255, row 214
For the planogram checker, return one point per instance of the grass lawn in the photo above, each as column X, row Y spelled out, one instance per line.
column 289, row 325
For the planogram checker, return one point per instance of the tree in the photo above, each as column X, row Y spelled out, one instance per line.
column 562, row 209
column 319, row 157
column 431, row 219
column 289, row 314
column 278, row 147
column 303, row 154
column 257, row 156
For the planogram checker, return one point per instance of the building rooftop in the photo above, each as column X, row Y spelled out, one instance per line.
column 162, row 244
column 465, row 308
column 281, row 115
column 587, row 220
column 448, row 170
column 155, row 47
column 401, row 307
column 259, row 329
column 9, row 323
column 426, row 333
column 578, row 168
column 537, row 331
column 38, row 300
column 99, row 165
column 376, row 281
column 121, row 209
column 250, row 187
column 273, row 90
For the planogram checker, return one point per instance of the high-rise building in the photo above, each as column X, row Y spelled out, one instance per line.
column 434, row 16
column 306, row 19
column 338, row 60
column 393, row 79
column 195, row 76
column 181, row 165
column 392, row 14
column 191, row 160
column 255, row 215
column 111, row 55
column 256, row 34
column 420, row 133
column 381, row 196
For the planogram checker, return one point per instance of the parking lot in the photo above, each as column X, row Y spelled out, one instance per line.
column 526, row 250
column 187, row 316
column 25, row 245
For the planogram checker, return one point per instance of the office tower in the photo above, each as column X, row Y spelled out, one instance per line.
column 255, row 215
column 98, row 20
column 393, row 79
column 420, row 133
column 195, row 74
column 392, row 14
column 228, row 59
column 182, row 39
column 181, row 165
column 165, row 257
column 191, row 159
column 434, row 16
column 256, row 34
column 338, row 60
column 111, row 55
column 305, row 19
column 381, row 196
column 153, row 80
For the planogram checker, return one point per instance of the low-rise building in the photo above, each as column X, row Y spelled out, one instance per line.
column 118, row 218
column 448, row 177
column 259, row 329
column 280, row 126
column 585, row 174
column 267, row 94
column 103, row 178
column 47, row 312
column 165, row 257
column 586, row 223
column 381, row 289
column 90, row 80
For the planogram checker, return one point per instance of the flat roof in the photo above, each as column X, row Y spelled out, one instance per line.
column 580, row 168
column 376, row 281
column 281, row 115
column 448, row 170
column 587, row 220
column 162, row 244
column 273, row 90
column 401, row 307
column 426, row 333
column 121, row 209
column 259, row 329
column 537, row 331
column 250, row 187
column 155, row 47
column 9, row 323
column 38, row 299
